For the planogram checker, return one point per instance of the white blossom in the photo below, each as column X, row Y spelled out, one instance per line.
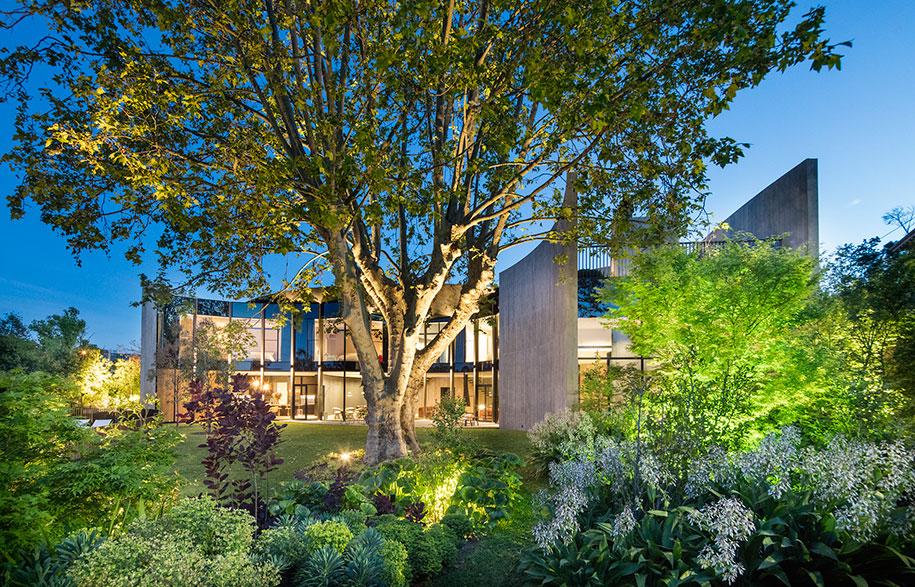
column 730, row 523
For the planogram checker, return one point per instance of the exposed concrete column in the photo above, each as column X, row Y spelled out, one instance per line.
column 538, row 323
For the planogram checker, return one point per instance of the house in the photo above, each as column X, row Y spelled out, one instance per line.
column 512, row 367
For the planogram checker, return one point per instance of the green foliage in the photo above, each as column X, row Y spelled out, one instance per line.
column 335, row 535
column 395, row 566
column 196, row 543
column 57, row 475
column 448, row 434
column 167, row 559
column 873, row 290
column 325, row 568
column 488, row 488
column 780, row 513
column 715, row 324
column 431, row 479
column 171, row 114
column 282, row 546
column 214, row 529
column 561, row 436
column 37, row 436
column 17, row 348
column 49, row 568
column 461, row 525
column 482, row 486
column 298, row 498
column 108, row 385
column 427, row 549
column 61, row 338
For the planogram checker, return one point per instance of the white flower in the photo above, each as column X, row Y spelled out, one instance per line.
column 730, row 523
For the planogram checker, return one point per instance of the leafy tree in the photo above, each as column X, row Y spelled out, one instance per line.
column 17, row 348
column 874, row 288
column 53, row 345
column 399, row 145
column 715, row 324
column 62, row 339
column 105, row 384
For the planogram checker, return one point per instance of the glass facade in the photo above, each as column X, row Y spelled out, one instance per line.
column 307, row 365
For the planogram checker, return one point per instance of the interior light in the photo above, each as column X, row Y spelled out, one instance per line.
column 481, row 407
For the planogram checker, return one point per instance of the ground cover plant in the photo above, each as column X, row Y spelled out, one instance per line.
column 783, row 511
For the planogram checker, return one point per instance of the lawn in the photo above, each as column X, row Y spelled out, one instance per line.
column 302, row 443
column 491, row 560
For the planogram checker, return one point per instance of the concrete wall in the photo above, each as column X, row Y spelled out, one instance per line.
column 538, row 334
column 789, row 205
column 148, row 340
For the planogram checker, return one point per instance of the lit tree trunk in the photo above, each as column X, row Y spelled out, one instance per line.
column 385, row 439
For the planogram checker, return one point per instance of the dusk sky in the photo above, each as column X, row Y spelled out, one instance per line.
column 858, row 122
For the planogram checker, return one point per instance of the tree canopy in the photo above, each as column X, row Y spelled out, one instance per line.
column 399, row 145
column 716, row 324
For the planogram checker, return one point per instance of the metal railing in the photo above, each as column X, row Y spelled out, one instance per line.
column 592, row 258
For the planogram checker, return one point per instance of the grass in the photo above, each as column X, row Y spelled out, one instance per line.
column 303, row 443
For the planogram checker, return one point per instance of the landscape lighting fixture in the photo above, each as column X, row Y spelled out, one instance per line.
column 344, row 456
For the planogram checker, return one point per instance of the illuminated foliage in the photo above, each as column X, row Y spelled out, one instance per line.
column 399, row 146
column 716, row 325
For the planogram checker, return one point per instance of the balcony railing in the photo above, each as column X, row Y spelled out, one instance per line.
column 600, row 259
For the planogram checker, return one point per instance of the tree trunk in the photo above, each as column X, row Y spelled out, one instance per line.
column 385, row 439
column 407, row 421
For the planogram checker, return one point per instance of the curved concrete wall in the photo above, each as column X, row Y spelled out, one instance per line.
column 538, row 333
column 789, row 204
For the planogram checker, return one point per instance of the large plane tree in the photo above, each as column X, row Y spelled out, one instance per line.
column 399, row 145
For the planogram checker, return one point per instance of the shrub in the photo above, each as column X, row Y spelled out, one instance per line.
column 324, row 568
column 460, row 524
column 487, row 488
column 241, row 429
column 282, row 546
column 197, row 543
column 329, row 533
column 57, row 475
column 214, row 529
column 427, row 551
column 49, row 568
column 445, row 542
column 395, row 567
column 298, row 498
column 135, row 559
column 448, row 434
column 354, row 520
column 780, row 512
column 482, row 486
column 561, row 436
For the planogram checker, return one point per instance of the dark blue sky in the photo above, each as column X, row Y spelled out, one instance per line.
column 859, row 123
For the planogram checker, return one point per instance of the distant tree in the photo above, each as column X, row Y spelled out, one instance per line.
column 62, row 339
column 400, row 146
column 875, row 289
column 903, row 217
column 54, row 345
column 17, row 348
